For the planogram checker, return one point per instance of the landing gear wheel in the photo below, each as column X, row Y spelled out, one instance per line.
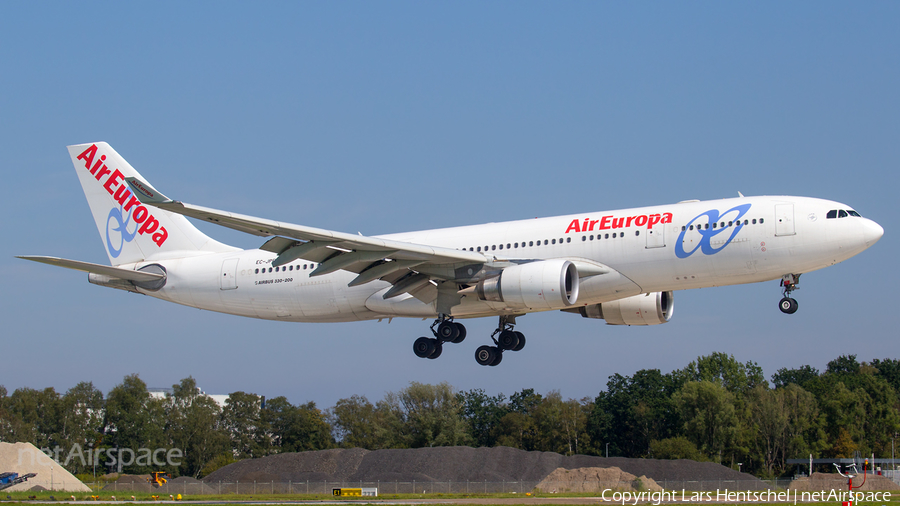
column 508, row 340
column 486, row 355
column 448, row 331
column 462, row 333
column 498, row 358
column 521, row 344
column 788, row 305
column 424, row 347
column 438, row 349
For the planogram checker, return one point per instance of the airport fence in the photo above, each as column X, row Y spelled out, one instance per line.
column 435, row 487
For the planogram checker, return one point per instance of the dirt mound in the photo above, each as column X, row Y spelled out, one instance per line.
column 332, row 465
column 595, row 479
column 831, row 481
column 463, row 464
column 25, row 458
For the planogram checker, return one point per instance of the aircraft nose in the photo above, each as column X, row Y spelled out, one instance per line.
column 872, row 232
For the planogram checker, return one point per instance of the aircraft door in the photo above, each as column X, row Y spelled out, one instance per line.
column 656, row 237
column 228, row 278
column 784, row 219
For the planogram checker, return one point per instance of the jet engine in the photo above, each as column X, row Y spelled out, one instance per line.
column 547, row 284
column 643, row 309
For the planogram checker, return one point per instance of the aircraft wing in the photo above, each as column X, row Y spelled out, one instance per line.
column 113, row 272
column 372, row 257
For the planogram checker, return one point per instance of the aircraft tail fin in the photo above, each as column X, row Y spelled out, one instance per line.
column 132, row 232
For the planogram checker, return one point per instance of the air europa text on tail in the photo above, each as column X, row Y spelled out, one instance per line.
column 114, row 184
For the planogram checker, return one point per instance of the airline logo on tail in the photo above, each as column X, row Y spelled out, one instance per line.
column 129, row 210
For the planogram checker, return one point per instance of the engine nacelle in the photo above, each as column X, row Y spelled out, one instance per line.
column 548, row 284
column 643, row 309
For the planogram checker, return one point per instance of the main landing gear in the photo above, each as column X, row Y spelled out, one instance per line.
column 509, row 340
column 789, row 283
column 447, row 331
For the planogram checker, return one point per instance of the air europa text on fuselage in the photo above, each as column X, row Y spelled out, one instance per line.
column 608, row 222
column 116, row 187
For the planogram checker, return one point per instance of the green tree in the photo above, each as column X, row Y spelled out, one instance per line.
column 242, row 422
column 296, row 428
column 482, row 413
column 672, row 448
column 709, row 416
column 801, row 376
column 194, row 426
column 81, row 425
column 134, row 421
column 35, row 416
column 433, row 415
column 724, row 370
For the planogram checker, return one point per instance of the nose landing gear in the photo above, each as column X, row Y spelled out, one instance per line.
column 447, row 331
column 789, row 283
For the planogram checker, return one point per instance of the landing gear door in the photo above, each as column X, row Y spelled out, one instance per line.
column 228, row 276
column 784, row 219
column 656, row 237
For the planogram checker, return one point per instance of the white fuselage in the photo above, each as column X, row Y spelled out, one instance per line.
column 763, row 239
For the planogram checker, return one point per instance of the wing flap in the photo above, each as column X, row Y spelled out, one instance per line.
column 396, row 250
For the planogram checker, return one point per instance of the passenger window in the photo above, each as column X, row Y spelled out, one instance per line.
column 479, row 249
column 583, row 238
column 692, row 227
column 553, row 241
column 257, row 271
column 722, row 225
column 507, row 245
column 761, row 221
column 714, row 225
column 729, row 223
column 530, row 243
column 607, row 236
column 501, row 246
column 592, row 237
column 515, row 245
column 494, row 247
column 568, row 239
column 842, row 214
column 706, row 226
column 270, row 269
column 637, row 233
column 546, row 242
column 754, row 221
column 746, row 222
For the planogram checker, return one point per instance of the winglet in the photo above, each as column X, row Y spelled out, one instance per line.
column 145, row 192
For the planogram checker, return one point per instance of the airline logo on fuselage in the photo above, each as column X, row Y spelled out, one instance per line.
column 611, row 222
column 130, row 208
column 705, row 243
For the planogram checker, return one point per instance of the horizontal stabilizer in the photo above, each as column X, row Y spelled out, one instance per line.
column 113, row 272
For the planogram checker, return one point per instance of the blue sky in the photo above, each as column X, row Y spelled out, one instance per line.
column 386, row 116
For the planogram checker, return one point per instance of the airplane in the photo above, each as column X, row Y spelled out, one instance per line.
column 621, row 266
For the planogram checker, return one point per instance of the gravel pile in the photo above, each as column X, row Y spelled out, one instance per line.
column 595, row 479
column 25, row 458
column 462, row 464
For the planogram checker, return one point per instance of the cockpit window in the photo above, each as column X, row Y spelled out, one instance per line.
column 841, row 213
